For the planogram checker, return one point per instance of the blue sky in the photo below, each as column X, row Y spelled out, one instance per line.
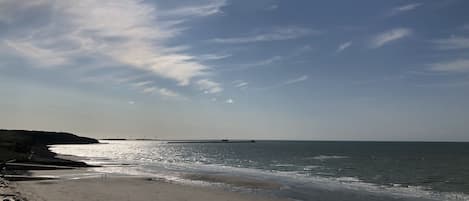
column 267, row 69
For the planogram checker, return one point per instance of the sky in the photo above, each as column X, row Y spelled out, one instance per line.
column 237, row 69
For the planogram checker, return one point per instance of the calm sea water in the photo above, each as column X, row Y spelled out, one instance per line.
column 306, row 170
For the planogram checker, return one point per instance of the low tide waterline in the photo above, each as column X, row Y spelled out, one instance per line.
column 297, row 170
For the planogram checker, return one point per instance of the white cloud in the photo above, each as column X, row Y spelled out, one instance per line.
column 229, row 101
column 130, row 33
column 112, row 78
column 168, row 93
column 149, row 90
column 447, row 84
column 272, row 7
column 344, row 46
column 455, row 66
column 131, row 102
column 452, row 43
column 213, row 56
column 142, row 83
column 271, row 60
column 47, row 58
column 404, row 8
column 285, row 83
column 302, row 49
column 389, row 36
column 210, row 8
column 209, row 87
column 296, row 80
column 164, row 92
column 259, row 63
column 277, row 34
column 148, row 87
column 264, row 62
column 241, row 84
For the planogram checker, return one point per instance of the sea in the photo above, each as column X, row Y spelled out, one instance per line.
column 296, row 170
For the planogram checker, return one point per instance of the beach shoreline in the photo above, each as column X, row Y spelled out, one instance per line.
column 171, row 177
column 39, row 182
column 31, row 171
column 84, row 184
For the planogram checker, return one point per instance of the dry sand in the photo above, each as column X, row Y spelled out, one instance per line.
column 121, row 188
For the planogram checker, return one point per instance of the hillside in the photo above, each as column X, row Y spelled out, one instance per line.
column 31, row 146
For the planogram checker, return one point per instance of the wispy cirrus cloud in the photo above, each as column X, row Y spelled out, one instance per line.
column 148, row 87
column 240, row 84
column 264, row 62
column 149, row 90
column 161, row 91
column 168, row 93
column 405, row 8
column 142, row 83
column 272, row 7
column 296, row 80
column 344, row 46
column 271, row 60
column 208, row 86
column 130, row 33
column 389, row 36
column 447, row 84
column 209, row 8
column 452, row 66
column 457, row 65
column 452, row 43
column 276, row 34
column 207, row 57
column 291, row 81
column 45, row 57
column 259, row 63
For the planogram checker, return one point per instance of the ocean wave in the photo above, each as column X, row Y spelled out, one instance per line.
column 311, row 167
column 326, row 157
column 283, row 165
column 288, row 178
column 347, row 179
column 348, row 183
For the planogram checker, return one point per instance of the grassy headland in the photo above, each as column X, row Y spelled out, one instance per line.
column 31, row 146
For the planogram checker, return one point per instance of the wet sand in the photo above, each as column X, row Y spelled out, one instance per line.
column 90, row 186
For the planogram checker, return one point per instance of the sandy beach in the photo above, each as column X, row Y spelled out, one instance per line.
column 119, row 188
column 31, row 172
